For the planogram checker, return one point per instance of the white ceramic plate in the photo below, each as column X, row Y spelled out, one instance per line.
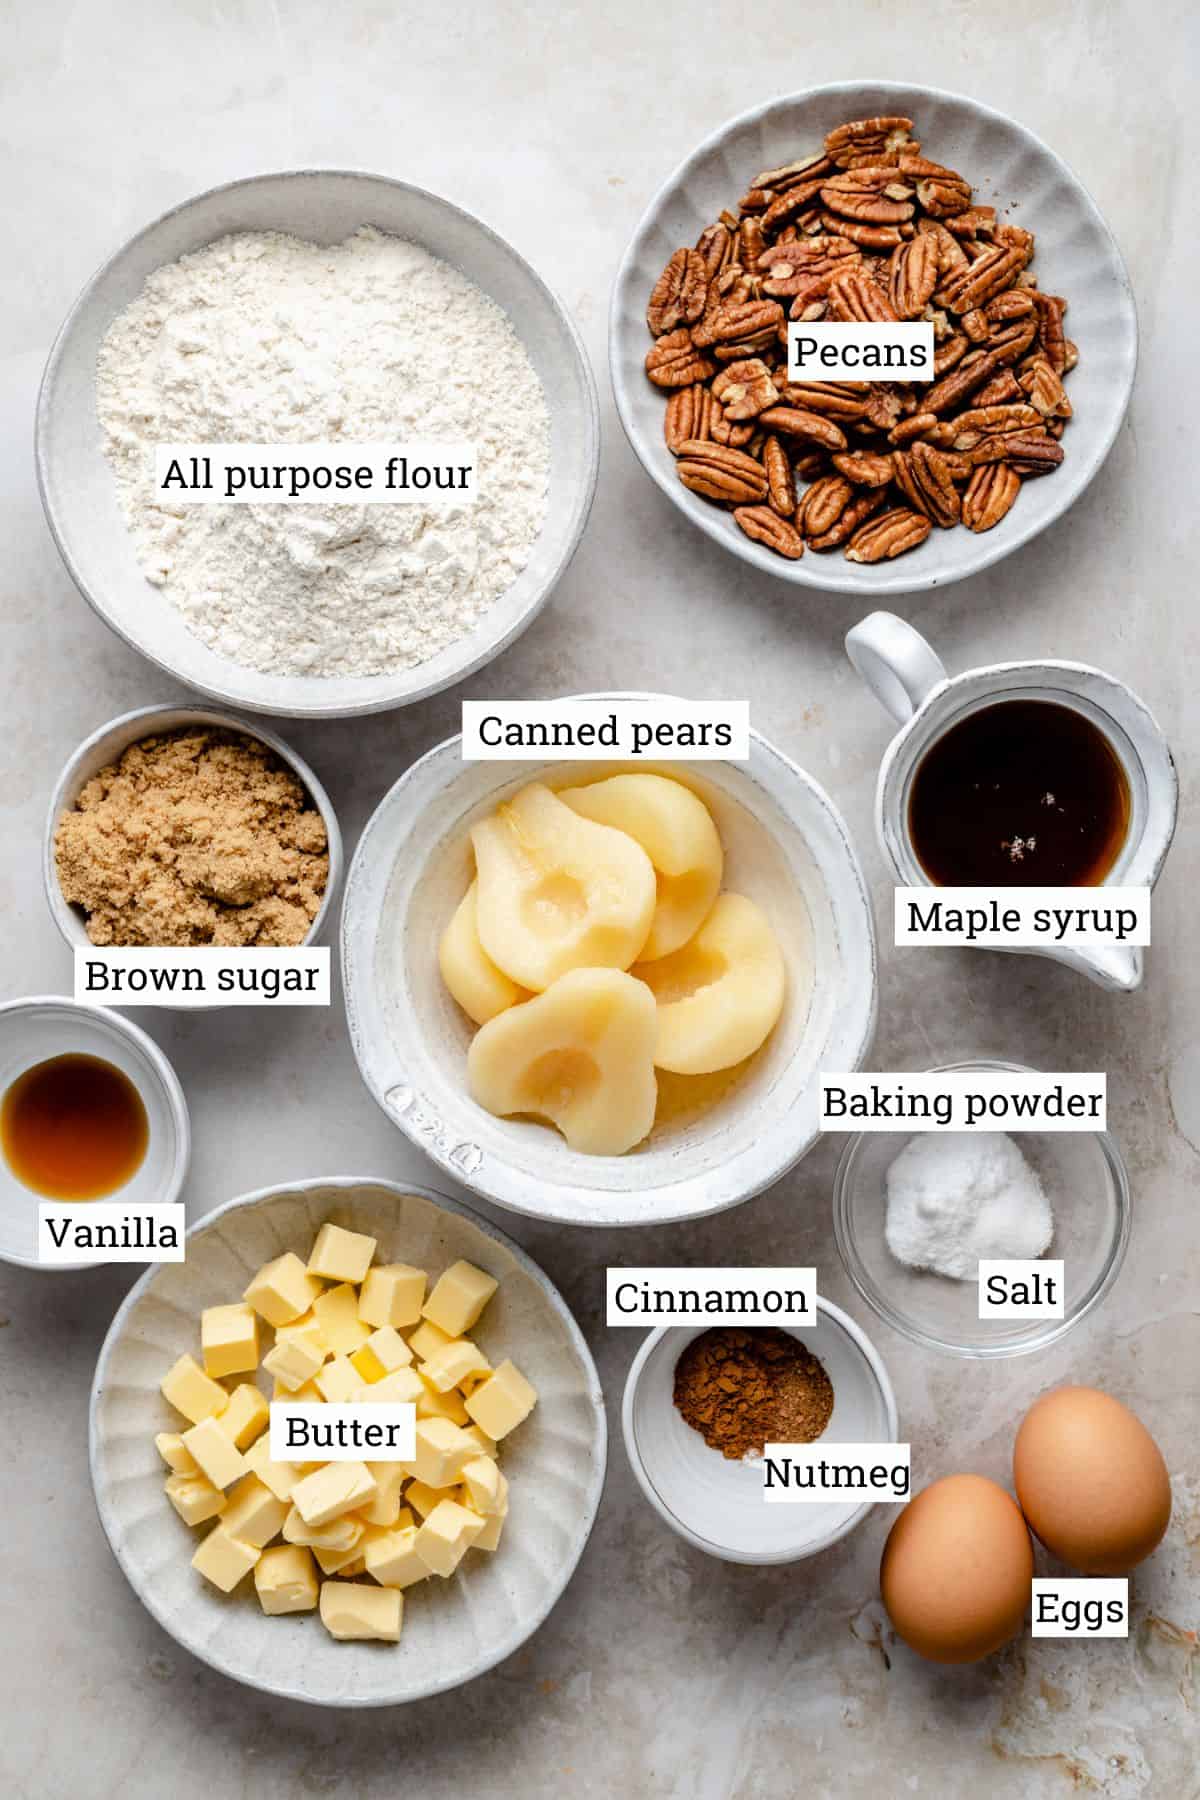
column 79, row 493
column 1010, row 168
column 786, row 846
column 453, row 1630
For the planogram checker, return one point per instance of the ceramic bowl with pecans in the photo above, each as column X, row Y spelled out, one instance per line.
column 873, row 205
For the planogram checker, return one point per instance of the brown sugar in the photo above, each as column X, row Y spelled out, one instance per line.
column 742, row 1389
column 197, row 836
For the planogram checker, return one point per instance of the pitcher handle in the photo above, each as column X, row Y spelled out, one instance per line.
column 896, row 663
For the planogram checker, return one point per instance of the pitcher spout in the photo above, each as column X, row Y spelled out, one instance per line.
column 1117, row 968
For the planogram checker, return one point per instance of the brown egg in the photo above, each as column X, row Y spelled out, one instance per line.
column 1091, row 1481
column 956, row 1570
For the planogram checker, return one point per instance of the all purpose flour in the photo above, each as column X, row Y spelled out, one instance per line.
column 263, row 338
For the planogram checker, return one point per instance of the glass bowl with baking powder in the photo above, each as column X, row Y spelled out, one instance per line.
column 1083, row 1176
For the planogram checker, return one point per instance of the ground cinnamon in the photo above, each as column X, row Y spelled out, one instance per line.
column 742, row 1389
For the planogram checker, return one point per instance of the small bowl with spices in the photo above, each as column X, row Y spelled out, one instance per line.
column 90, row 1109
column 701, row 1404
column 184, row 826
column 915, row 1213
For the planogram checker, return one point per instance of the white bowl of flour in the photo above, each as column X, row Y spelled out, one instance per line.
column 316, row 307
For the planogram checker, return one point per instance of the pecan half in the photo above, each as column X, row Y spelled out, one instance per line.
column 951, row 254
column 789, row 175
column 873, row 195
column 866, row 137
column 715, row 247
column 794, row 421
column 990, row 494
column 823, row 504
column 766, row 527
column 805, row 265
column 853, row 296
column 999, row 390
column 738, row 322
column 867, row 236
column 976, row 283
column 687, row 416
column 859, row 509
column 675, row 362
column 915, row 426
column 833, row 399
column 679, row 293
column 787, row 206
column 924, row 477
column 865, row 468
column 1050, row 310
column 973, row 222
column 913, row 276
column 971, row 373
column 781, row 483
column 944, row 194
column 745, row 389
column 1028, row 452
column 890, row 535
column 971, row 427
column 720, row 473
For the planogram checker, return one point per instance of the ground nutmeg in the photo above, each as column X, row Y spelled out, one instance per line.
column 742, row 1389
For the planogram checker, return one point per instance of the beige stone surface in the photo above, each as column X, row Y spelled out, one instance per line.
column 661, row 1673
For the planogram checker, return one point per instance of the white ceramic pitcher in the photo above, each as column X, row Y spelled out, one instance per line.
column 908, row 677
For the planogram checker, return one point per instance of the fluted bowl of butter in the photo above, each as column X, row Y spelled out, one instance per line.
column 415, row 1575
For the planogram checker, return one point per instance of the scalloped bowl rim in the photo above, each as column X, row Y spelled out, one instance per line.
column 316, row 697
column 593, row 1488
column 830, row 576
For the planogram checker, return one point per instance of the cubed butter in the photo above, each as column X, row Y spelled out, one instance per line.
column 194, row 1498
column 333, row 1561
column 338, row 1534
column 296, row 1355
column 285, row 1580
column 442, row 1449
column 193, row 1393
column 422, row 1498
column 216, row 1454
column 340, row 1380
column 340, row 1487
column 458, row 1298
column 432, row 1405
column 229, row 1339
column 446, row 1536
column 384, row 1509
column 351, row 1609
column 247, row 1415
column 340, row 1255
column 426, row 1338
column 282, row 1290
column 485, row 1485
column 382, row 1354
column 392, row 1558
column 175, row 1453
column 224, row 1560
column 280, row 1477
column 392, row 1295
column 486, row 1444
column 489, row 1537
column 402, row 1386
column 337, row 1312
column 253, row 1512
column 501, row 1402
column 307, row 1394
column 454, row 1363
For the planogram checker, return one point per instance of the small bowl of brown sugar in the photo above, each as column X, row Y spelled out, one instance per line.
column 702, row 1403
column 182, row 826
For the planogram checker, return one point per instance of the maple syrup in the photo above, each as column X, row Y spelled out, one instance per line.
column 73, row 1128
column 1022, row 793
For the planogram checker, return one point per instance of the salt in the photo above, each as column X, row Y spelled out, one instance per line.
column 954, row 1198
